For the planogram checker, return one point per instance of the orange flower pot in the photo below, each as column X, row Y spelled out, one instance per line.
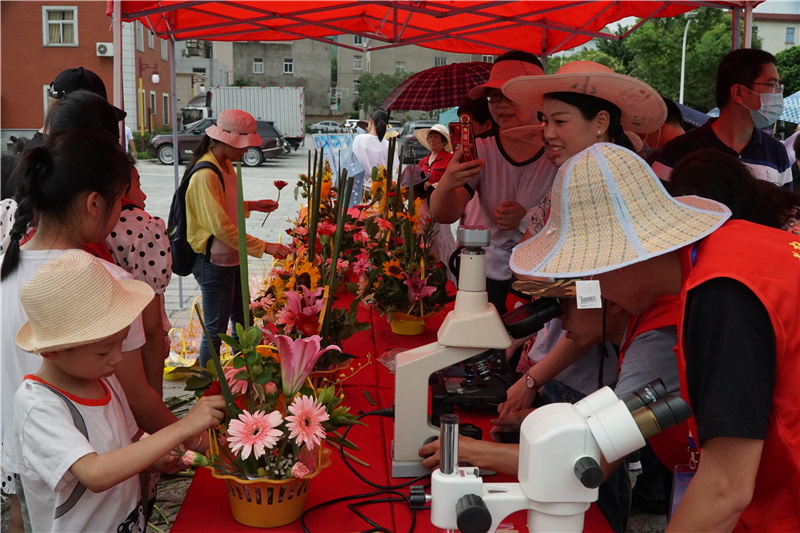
column 403, row 324
column 268, row 503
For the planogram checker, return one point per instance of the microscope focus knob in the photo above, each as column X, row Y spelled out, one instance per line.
column 472, row 515
column 588, row 472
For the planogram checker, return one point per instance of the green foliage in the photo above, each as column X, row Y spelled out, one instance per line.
column 241, row 82
column 652, row 53
column 374, row 88
column 789, row 69
column 555, row 62
column 334, row 71
column 354, row 114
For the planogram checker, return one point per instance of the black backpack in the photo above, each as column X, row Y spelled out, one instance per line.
column 183, row 256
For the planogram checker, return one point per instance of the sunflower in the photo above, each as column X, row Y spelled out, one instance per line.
column 393, row 268
column 306, row 274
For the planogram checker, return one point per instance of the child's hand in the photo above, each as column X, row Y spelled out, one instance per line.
column 170, row 463
column 209, row 411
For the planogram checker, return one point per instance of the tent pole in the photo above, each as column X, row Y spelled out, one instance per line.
column 736, row 27
column 116, row 28
column 748, row 25
column 544, row 49
column 175, row 151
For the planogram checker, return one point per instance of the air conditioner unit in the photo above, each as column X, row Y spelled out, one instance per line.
column 105, row 49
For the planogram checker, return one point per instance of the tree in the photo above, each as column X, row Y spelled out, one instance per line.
column 617, row 49
column 334, row 71
column 555, row 62
column 789, row 69
column 656, row 48
column 374, row 88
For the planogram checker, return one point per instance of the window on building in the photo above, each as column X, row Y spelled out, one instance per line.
column 355, row 87
column 151, row 39
column 789, row 35
column 139, row 36
column 288, row 65
column 60, row 26
column 399, row 66
column 164, row 50
column 358, row 62
column 439, row 61
column 165, row 105
column 153, row 109
column 357, row 39
column 258, row 65
column 487, row 59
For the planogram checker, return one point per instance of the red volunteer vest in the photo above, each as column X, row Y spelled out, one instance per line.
column 670, row 445
column 767, row 261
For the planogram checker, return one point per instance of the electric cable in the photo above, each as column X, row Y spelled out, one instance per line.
column 400, row 497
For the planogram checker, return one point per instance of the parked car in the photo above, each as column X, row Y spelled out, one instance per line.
column 396, row 124
column 273, row 143
column 351, row 124
column 412, row 148
column 326, row 126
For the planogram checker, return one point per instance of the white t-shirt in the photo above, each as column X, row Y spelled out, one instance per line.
column 372, row 153
column 15, row 363
column 128, row 135
column 502, row 180
column 47, row 443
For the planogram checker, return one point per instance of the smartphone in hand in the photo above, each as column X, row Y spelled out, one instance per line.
column 463, row 138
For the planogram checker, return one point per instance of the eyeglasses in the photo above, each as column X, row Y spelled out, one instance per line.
column 495, row 97
column 777, row 87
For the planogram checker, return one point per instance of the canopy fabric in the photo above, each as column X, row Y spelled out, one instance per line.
column 474, row 27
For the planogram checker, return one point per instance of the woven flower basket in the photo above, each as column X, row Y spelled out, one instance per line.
column 269, row 503
column 403, row 324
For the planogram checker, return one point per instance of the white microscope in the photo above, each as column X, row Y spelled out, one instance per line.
column 561, row 448
column 473, row 327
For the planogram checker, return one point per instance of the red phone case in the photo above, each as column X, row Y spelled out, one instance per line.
column 463, row 139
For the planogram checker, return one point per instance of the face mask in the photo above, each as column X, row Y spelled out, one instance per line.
column 771, row 108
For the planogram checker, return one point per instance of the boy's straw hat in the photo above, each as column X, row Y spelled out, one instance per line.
column 610, row 210
column 73, row 300
column 643, row 109
column 235, row 128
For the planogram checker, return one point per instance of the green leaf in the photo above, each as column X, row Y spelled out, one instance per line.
column 263, row 378
column 230, row 341
column 197, row 382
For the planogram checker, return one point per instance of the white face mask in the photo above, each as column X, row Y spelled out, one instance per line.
column 771, row 108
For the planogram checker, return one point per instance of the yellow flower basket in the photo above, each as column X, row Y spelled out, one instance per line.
column 403, row 324
column 269, row 503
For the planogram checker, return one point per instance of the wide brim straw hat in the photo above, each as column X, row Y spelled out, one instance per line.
column 73, row 300
column 390, row 132
column 502, row 71
column 532, row 134
column 235, row 128
column 422, row 136
column 547, row 288
column 643, row 109
column 609, row 210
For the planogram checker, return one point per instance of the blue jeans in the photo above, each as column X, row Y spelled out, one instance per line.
column 222, row 301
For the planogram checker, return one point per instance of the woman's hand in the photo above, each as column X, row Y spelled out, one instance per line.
column 509, row 214
column 511, row 421
column 518, row 397
column 265, row 206
column 278, row 251
column 458, row 173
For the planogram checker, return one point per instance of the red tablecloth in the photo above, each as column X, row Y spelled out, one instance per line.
column 205, row 507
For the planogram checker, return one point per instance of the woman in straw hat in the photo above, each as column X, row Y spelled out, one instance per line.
column 437, row 140
column 73, row 428
column 739, row 291
column 211, row 228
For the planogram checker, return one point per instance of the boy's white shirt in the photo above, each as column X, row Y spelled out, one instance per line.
column 47, row 443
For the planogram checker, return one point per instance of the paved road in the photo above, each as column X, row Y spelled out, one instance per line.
column 158, row 183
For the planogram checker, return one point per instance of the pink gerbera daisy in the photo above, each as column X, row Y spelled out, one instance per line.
column 238, row 386
column 254, row 433
column 305, row 421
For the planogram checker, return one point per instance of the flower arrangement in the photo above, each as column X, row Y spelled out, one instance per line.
column 276, row 422
column 397, row 272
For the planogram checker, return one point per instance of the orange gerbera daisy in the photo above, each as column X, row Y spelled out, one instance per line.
column 393, row 268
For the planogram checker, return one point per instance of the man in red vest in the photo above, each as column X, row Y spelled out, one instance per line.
column 738, row 285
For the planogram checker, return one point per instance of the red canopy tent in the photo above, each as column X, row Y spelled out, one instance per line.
column 489, row 27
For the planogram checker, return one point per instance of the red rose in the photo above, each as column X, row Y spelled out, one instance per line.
column 280, row 184
column 214, row 389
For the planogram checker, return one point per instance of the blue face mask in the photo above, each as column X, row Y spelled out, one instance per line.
column 771, row 108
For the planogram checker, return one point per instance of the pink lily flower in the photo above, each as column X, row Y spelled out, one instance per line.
column 298, row 357
column 417, row 288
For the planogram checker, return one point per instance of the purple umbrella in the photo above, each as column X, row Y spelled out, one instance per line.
column 438, row 87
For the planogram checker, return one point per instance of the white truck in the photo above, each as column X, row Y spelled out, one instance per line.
column 284, row 106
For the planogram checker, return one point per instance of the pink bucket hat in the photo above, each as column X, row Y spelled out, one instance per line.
column 235, row 128
column 502, row 71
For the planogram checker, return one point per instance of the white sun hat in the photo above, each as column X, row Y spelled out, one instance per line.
column 422, row 136
column 643, row 109
column 74, row 300
column 609, row 210
column 235, row 128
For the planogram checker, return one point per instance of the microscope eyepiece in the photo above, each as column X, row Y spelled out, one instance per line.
column 650, row 393
column 531, row 317
column 661, row 414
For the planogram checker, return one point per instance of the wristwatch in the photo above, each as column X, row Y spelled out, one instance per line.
column 531, row 382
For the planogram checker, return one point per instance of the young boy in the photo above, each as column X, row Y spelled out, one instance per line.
column 73, row 429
